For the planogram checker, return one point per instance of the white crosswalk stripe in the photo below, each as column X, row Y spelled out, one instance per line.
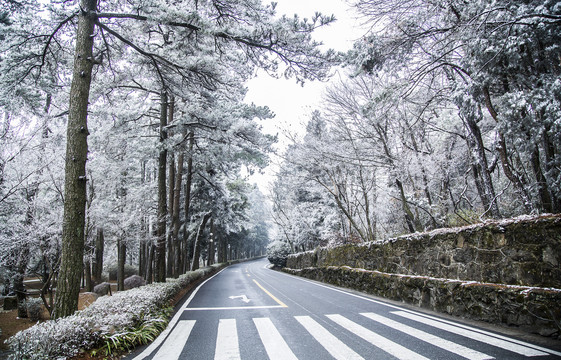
column 227, row 345
column 379, row 341
column 173, row 346
column 332, row 344
column 276, row 347
column 503, row 344
column 430, row 338
column 498, row 336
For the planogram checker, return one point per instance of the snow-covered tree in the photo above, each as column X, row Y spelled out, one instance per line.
column 188, row 50
column 496, row 60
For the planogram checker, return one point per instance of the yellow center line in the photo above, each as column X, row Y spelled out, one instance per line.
column 271, row 295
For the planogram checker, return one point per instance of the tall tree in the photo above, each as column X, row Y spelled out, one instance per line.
column 161, row 36
column 68, row 285
column 160, row 266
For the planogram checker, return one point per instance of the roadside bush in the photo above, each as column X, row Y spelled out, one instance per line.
column 277, row 252
column 130, row 270
column 111, row 323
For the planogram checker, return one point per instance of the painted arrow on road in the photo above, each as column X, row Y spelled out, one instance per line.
column 243, row 297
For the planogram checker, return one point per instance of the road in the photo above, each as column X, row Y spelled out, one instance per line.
column 250, row 312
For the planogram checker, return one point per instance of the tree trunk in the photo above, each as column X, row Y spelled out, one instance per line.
column 160, row 267
column 171, row 189
column 409, row 217
column 171, row 248
column 121, row 259
column 211, row 243
column 97, row 267
column 88, row 275
column 423, row 173
column 220, row 248
column 489, row 198
column 175, row 217
column 198, row 239
column 19, row 288
column 150, row 263
column 517, row 181
column 144, row 231
column 546, row 203
column 142, row 249
column 68, row 284
column 337, row 197
column 551, row 170
column 142, row 257
column 370, row 220
column 188, row 182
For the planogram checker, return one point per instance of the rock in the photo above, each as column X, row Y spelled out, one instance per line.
column 35, row 309
column 10, row 303
column 134, row 281
column 102, row 289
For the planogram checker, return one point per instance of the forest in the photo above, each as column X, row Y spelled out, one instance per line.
column 125, row 140
column 124, row 136
column 450, row 114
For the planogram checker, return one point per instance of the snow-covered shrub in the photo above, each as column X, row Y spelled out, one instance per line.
column 54, row 339
column 125, row 318
column 102, row 289
column 277, row 252
column 34, row 307
column 148, row 329
column 134, row 281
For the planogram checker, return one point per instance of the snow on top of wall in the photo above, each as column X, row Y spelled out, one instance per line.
column 499, row 224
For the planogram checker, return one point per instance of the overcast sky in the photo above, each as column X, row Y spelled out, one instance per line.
column 291, row 102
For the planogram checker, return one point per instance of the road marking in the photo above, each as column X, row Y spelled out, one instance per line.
column 276, row 347
column 332, row 344
column 227, row 345
column 236, row 308
column 271, row 295
column 507, row 345
column 430, row 338
column 498, row 336
column 381, row 342
column 162, row 337
column 243, row 297
column 172, row 348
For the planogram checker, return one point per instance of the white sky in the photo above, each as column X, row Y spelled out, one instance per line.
column 291, row 102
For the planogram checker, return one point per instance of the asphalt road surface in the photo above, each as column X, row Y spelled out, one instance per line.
column 248, row 311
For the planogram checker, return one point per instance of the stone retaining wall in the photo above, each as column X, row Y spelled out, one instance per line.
column 522, row 251
column 535, row 310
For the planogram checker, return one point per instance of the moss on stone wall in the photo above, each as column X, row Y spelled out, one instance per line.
column 532, row 309
column 521, row 251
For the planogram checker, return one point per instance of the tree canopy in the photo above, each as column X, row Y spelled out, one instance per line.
column 448, row 115
column 151, row 96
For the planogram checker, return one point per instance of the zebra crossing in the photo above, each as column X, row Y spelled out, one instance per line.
column 324, row 331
